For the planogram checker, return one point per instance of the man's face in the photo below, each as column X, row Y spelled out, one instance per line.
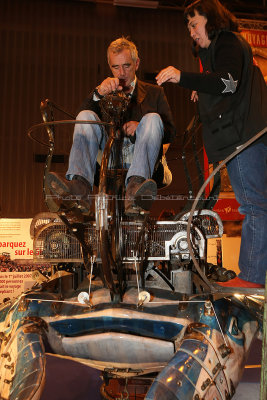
column 122, row 66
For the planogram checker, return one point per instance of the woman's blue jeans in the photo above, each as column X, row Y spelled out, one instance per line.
column 248, row 176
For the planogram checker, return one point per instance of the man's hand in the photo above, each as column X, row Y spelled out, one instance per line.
column 169, row 74
column 194, row 96
column 130, row 127
column 108, row 86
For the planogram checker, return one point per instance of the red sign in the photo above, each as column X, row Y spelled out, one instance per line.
column 228, row 209
column 255, row 38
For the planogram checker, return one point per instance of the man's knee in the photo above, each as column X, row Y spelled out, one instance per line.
column 88, row 131
column 152, row 125
column 87, row 115
column 152, row 118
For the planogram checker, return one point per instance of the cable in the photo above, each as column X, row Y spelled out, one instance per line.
column 62, row 122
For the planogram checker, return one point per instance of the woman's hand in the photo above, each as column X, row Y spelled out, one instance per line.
column 169, row 74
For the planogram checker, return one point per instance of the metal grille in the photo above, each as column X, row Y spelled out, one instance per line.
column 154, row 238
column 207, row 221
column 91, row 238
column 55, row 244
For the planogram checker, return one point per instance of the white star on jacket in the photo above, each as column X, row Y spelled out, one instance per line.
column 230, row 85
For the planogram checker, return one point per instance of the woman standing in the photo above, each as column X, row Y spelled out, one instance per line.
column 232, row 101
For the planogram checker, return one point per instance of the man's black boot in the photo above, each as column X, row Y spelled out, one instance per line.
column 140, row 194
column 72, row 194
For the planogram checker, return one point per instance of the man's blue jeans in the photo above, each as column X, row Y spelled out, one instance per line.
column 248, row 176
column 140, row 158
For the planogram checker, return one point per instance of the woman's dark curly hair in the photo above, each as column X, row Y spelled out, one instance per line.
column 218, row 17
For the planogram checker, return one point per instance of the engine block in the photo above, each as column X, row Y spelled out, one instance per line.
column 53, row 242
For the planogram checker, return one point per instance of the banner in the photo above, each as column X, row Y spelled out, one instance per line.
column 16, row 258
column 255, row 32
column 256, row 38
column 13, row 284
column 15, row 238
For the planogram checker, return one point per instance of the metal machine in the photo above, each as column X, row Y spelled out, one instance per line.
column 143, row 303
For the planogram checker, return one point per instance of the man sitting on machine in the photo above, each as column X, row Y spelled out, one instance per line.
column 147, row 125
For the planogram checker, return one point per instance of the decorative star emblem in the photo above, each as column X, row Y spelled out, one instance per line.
column 230, row 85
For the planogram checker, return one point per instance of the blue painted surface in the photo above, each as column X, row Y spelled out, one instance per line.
column 3, row 313
column 156, row 329
column 178, row 378
column 143, row 326
column 199, row 348
column 29, row 366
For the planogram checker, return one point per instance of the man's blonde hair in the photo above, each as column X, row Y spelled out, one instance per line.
column 119, row 45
